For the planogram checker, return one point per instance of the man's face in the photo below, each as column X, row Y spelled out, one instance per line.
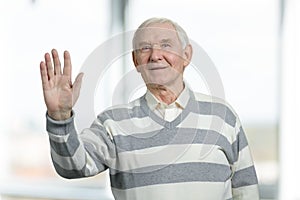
column 159, row 55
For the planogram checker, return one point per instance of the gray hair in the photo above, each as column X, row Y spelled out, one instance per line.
column 182, row 36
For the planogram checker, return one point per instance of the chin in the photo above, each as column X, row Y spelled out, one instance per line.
column 161, row 82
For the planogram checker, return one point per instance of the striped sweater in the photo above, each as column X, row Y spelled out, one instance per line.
column 202, row 154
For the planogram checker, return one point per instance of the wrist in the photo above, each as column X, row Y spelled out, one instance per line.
column 60, row 116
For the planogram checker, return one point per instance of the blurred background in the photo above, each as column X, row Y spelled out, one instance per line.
column 254, row 44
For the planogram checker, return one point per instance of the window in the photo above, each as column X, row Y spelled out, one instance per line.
column 29, row 29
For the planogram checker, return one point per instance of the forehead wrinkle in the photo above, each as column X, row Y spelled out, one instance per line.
column 161, row 41
column 155, row 31
column 151, row 35
column 162, row 25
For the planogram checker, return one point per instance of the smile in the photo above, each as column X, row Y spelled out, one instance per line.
column 157, row 67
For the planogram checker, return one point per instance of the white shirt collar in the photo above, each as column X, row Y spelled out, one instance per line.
column 180, row 102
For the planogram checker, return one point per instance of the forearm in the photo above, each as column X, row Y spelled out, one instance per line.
column 69, row 155
column 246, row 193
column 244, row 180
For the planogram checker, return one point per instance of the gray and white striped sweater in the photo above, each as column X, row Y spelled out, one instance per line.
column 202, row 154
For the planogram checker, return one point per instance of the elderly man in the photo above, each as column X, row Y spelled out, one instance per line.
column 163, row 145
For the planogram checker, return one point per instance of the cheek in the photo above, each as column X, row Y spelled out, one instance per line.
column 176, row 61
column 173, row 56
column 143, row 59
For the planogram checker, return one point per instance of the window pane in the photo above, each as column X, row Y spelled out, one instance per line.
column 29, row 29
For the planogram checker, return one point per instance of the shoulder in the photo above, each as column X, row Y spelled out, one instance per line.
column 200, row 97
column 216, row 106
column 121, row 111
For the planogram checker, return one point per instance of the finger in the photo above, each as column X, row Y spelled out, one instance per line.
column 49, row 65
column 76, row 87
column 67, row 64
column 57, row 65
column 44, row 75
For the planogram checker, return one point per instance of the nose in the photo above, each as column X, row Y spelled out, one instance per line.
column 156, row 54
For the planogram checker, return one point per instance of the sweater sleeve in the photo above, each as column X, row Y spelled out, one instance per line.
column 244, row 179
column 79, row 155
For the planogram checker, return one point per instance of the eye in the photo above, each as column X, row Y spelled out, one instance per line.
column 165, row 45
column 145, row 48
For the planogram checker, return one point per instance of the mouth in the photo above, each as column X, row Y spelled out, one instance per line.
column 153, row 68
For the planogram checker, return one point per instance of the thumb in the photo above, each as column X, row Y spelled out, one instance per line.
column 76, row 87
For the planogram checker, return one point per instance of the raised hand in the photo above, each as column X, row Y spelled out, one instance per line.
column 60, row 94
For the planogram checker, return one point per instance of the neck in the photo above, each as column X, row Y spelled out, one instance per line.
column 166, row 94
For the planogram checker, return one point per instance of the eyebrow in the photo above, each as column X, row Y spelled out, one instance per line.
column 165, row 41
column 143, row 43
column 161, row 41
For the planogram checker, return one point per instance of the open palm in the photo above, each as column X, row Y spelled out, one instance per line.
column 60, row 94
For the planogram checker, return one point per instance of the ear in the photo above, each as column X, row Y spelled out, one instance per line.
column 187, row 55
column 134, row 59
